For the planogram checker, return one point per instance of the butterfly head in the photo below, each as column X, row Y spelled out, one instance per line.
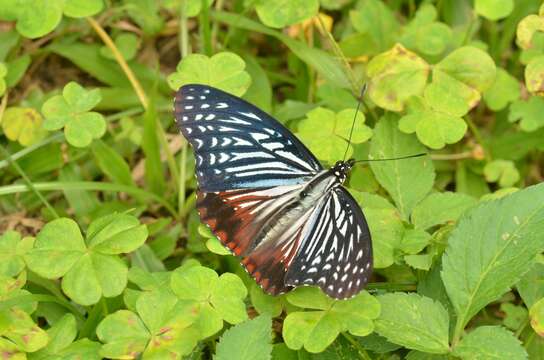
column 342, row 168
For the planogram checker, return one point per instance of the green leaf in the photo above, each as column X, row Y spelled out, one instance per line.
column 503, row 172
column 534, row 74
column 326, row 65
column 490, row 342
column 71, row 111
column 111, row 163
column 161, row 328
column 250, row 340
column 505, row 89
column 82, row 8
column 494, row 9
column 426, row 35
column 515, row 316
column 407, row 181
column 20, row 329
column 23, row 125
column 531, row 285
column 414, row 321
column 17, row 69
column 282, row 13
column 12, row 251
column 536, row 314
column 482, row 262
column 470, row 66
column 126, row 43
column 214, row 298
column 528, row 112
column 315, row 330
column 440, row 208
column 326, row 133
column 224, row 71
column 264, row 303
column 58, row 246
column 35, row 18
column 395, row 76
column 387, row 231
column 89, row 269
column 434, row 129
column 377, row 23
column 526, row 30
column 191, row 7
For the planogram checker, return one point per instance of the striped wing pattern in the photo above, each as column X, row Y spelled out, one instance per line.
column 251, row 173
column 336, row 253
column 237, row 145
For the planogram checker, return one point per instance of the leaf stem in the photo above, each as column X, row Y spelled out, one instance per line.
column 120, row 60
column 362, row 352
column 88, row 185
column 391, row 286
column 27, row 181
column 478, row 136
column 458, row 156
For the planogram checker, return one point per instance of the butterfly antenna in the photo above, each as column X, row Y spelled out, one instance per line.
column 363, row 90
column 395, row 158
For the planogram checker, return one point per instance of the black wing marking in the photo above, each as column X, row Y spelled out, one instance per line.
column 336, row 252
column 237, row 145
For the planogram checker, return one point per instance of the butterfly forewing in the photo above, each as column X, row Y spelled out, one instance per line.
column 237, row 145
column 336, row 253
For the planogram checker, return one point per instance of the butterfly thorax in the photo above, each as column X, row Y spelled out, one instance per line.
column 303, row 202
column 341, row 169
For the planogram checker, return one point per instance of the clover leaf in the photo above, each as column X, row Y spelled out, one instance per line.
column 160, row 328
column 3, row 73
column 528, row 112
column 395, row 76
column 90, row 268
column 502, row 171
column 326, row 133
column 534, row 74
column 377, row 36
column 425, row 34
column 71, row 110
column 212, row 243
column 282, row 13
column 23, row 125
column 504, row 90
column 82, row 8
column 12, row 250
column 316, row 329
column 18, row 331
column 458, row 81
column 61, row 345
column 34, row 18
column 224, row 71
column 214, row 298
column 536, row 314
column 127, row 44
column 527, row 28
column 494, row 9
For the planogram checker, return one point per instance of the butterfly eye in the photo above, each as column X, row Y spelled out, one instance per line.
column 303, row 194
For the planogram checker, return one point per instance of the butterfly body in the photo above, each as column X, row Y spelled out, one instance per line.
column 269, row 201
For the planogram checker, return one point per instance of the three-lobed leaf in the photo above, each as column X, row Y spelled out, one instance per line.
column 318, row 328
column 90, row 268
column 224, row 70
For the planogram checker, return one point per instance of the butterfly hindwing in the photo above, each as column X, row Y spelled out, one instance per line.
column 237, row 145
column 336, row 252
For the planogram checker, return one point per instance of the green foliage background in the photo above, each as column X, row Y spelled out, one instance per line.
column 102, row 254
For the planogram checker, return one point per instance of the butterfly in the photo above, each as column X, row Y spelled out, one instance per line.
column 267, row 198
